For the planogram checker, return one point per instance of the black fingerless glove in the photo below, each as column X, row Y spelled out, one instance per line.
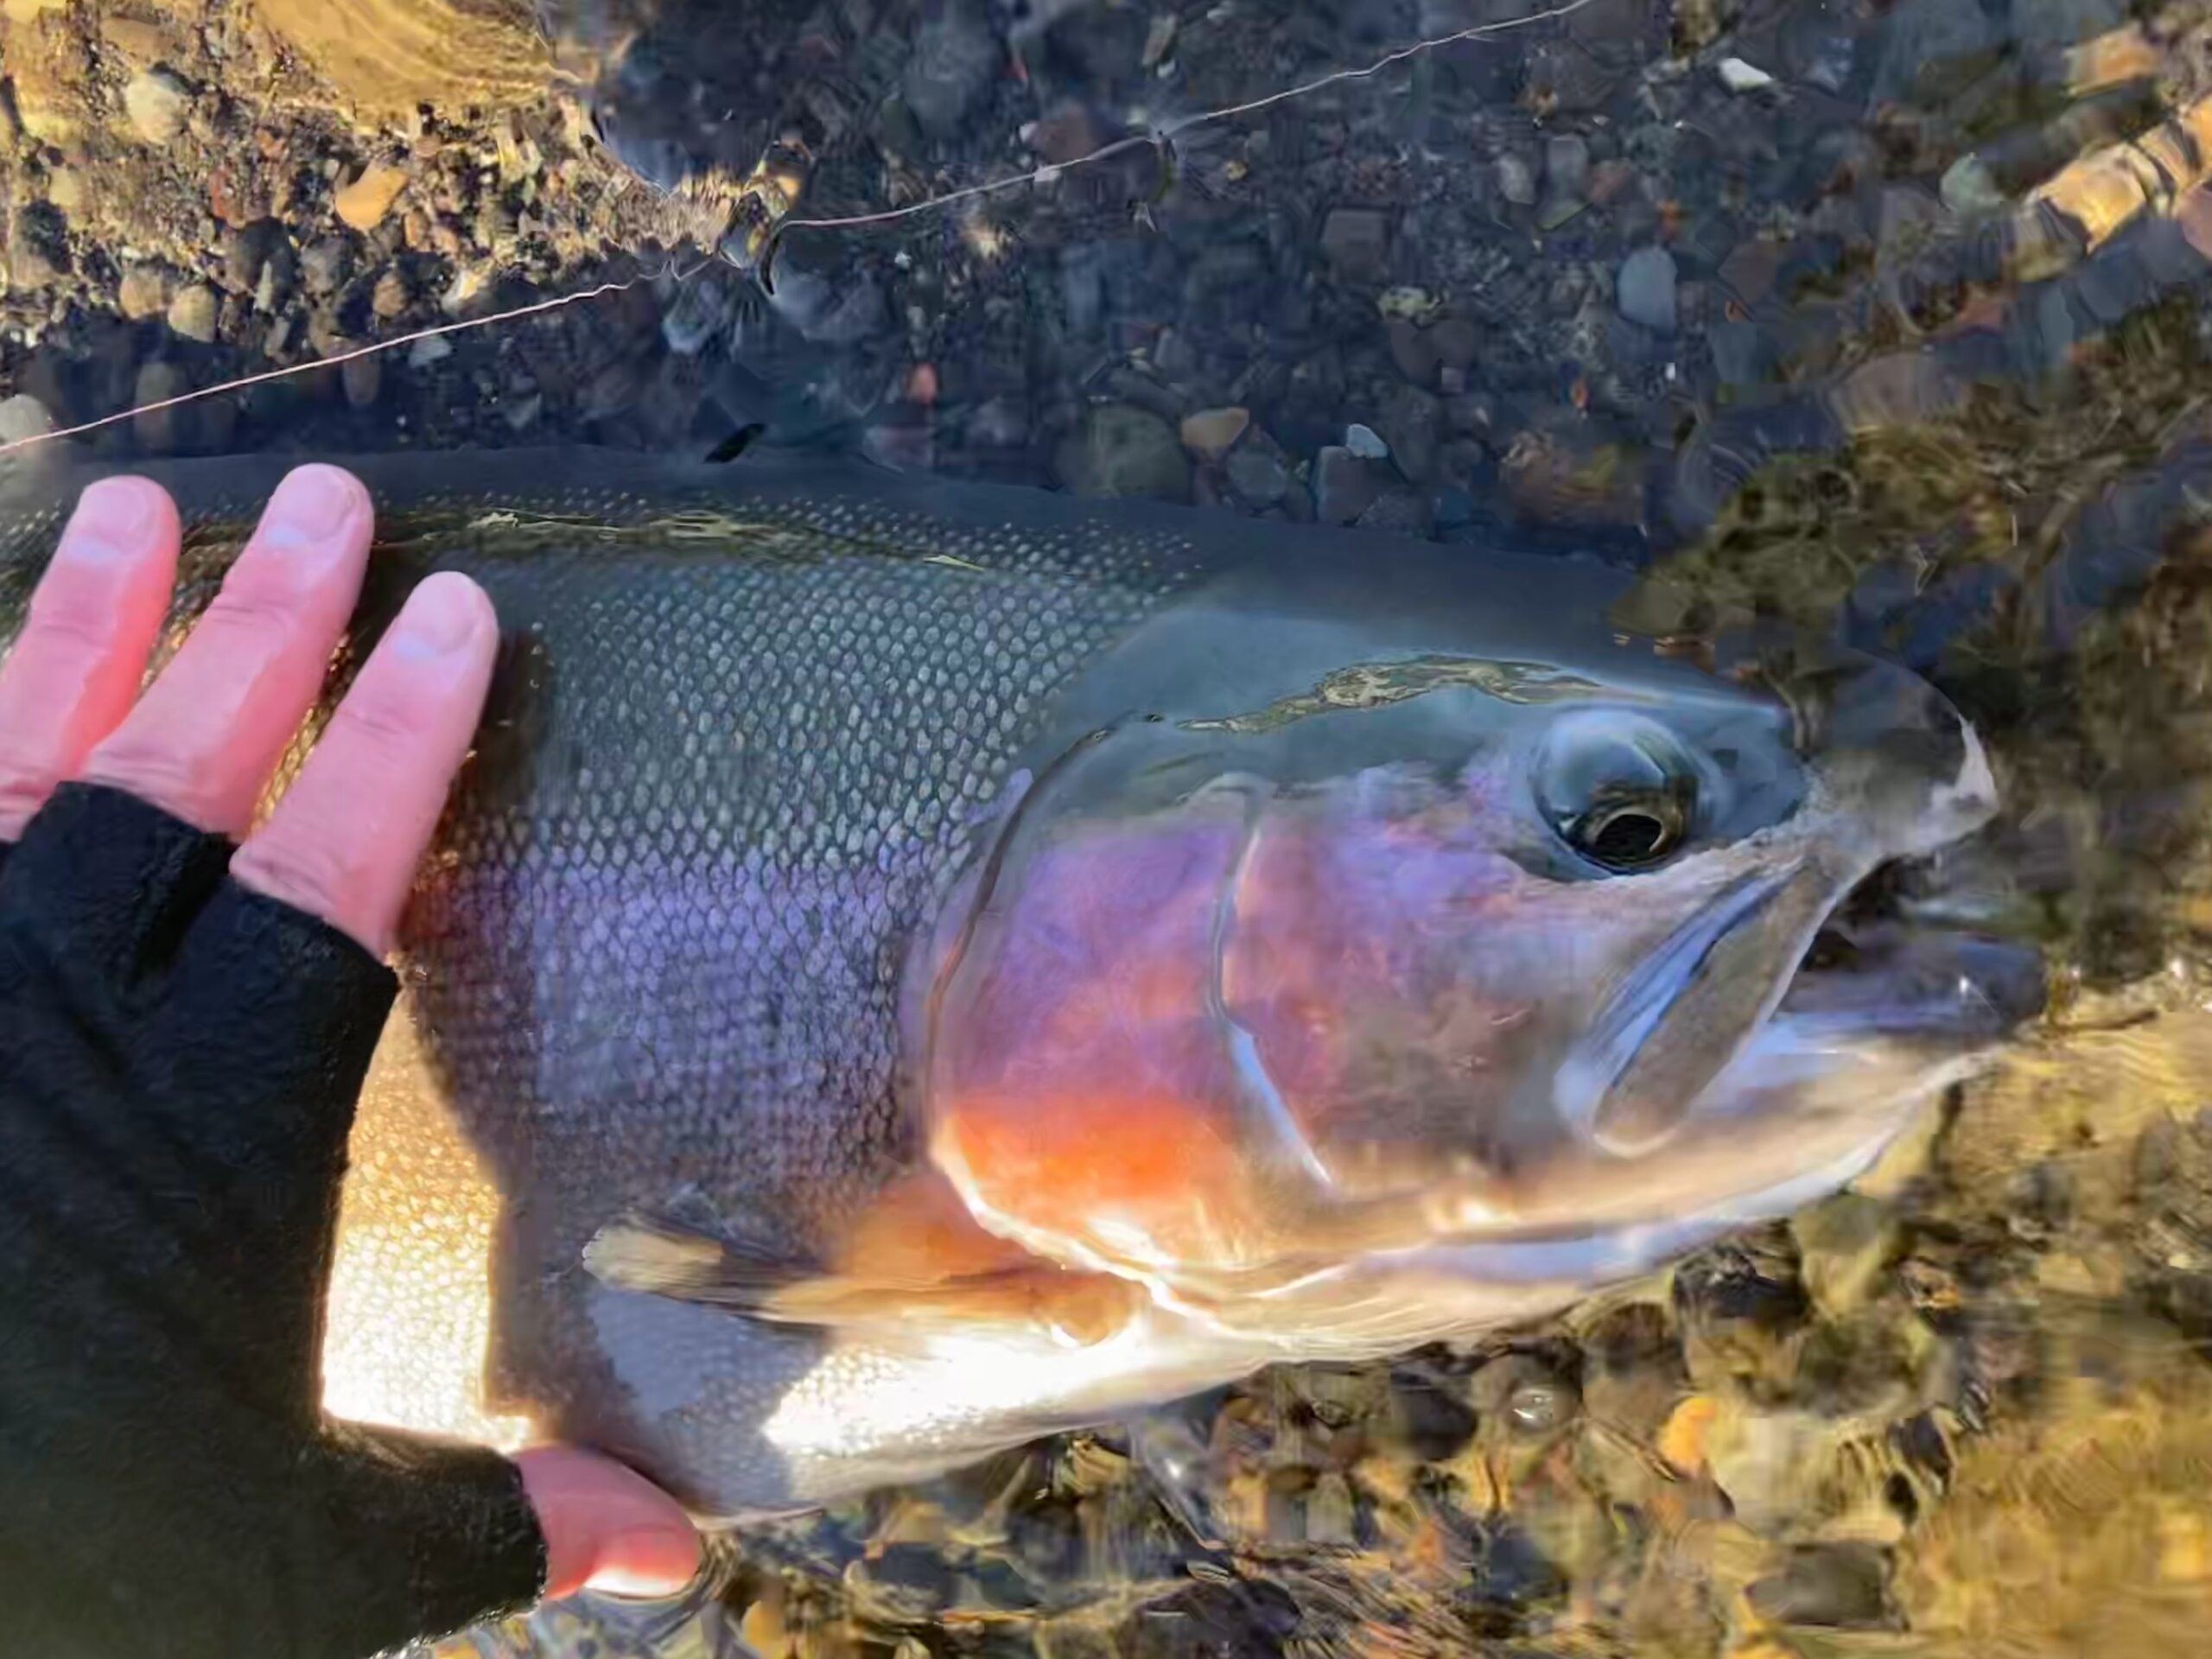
column 179, row 1064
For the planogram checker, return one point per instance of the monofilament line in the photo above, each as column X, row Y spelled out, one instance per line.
column 1036, row 175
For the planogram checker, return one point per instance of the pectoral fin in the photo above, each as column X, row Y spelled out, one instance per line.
column 892, row 1298
column 663, row 1257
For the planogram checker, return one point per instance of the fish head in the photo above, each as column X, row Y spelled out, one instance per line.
column 1455, row 970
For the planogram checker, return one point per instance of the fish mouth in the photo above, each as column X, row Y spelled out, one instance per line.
column 1882, row 966
column 1867, row 976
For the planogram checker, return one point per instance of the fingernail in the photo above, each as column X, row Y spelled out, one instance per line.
column 440, row 617
column 310, row 507
column 111, row 521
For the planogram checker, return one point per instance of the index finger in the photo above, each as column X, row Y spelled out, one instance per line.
column 344, row 842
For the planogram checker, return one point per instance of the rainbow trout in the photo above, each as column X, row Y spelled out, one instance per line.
column 910, row 967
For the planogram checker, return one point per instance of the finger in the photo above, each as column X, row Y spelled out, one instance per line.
column 77, row 663
column 607, row 1528
column 203, row 740
column 345, row 842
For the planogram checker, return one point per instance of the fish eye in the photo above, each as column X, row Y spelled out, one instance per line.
column 1618, row 789
column 1629, row 835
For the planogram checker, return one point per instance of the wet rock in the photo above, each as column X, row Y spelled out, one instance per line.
column 280, row 275
column 1567, row 165
column 1751, row 268
column 389, row 298
column 246, row 251
column 1738, row 76
column 143, row 293
column 363, row 378
column 1610, row 181
column 1632, row 1374
column 1331, row 1514
column 1740, row 356
column 999, row 423
column 1212, row 432
column 160, row 431
column 1742, row 1310
column 1845, row 1246
column 1897, row 388
column 1130, row 384
column 702, row 311
column 669, row 401
column 859, row 311
column 430, row 350
column 1411, row 420
column 1342, row 486
column 1258, row 475
column 1398, row 509
column 1933, row 49
column 2042, row 25
column 1455, row 341
column 1841, row 1586
column 1356, row 241
column 1523, row 1397
column 24, row 416
column 1573, row 476
column 194, row 313
column 1083, row 287
column 1969, row 188
column 1411, row 350
column 924, row 385
column 899, row 445
column 905, row 1583
column 1431, row 1411
column 2173, row 1247
column 67, row 188
column 1516, row 179
column 1646, row 290
column 364, row 203
column 956, row 55
column 35, row 247
column 1905, row 212
column 1571, row 79
column 1558, row 211
column 324, row 263
column 157, row 101
column 1365, row 442
column 1121, row 450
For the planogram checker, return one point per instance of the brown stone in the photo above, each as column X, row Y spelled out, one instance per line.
column 364, row 203
column 390, row 297
column 1749, row 270
column 1899, row 389
column 143, row 292
column 1212, row 432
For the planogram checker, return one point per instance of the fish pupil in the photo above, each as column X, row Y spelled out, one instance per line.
column 1624, row 837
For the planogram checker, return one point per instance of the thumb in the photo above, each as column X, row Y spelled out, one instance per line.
column 607, row 1528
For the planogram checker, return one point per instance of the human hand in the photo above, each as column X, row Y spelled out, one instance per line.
column 179, row 1060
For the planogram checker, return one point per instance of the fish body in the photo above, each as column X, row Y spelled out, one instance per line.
column 910, row 967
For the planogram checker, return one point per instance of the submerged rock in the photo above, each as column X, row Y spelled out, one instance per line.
column 1123, row 450
column 1646, row 290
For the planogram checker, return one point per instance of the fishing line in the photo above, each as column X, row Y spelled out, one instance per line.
column 357, row 352
column 1161, row 138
